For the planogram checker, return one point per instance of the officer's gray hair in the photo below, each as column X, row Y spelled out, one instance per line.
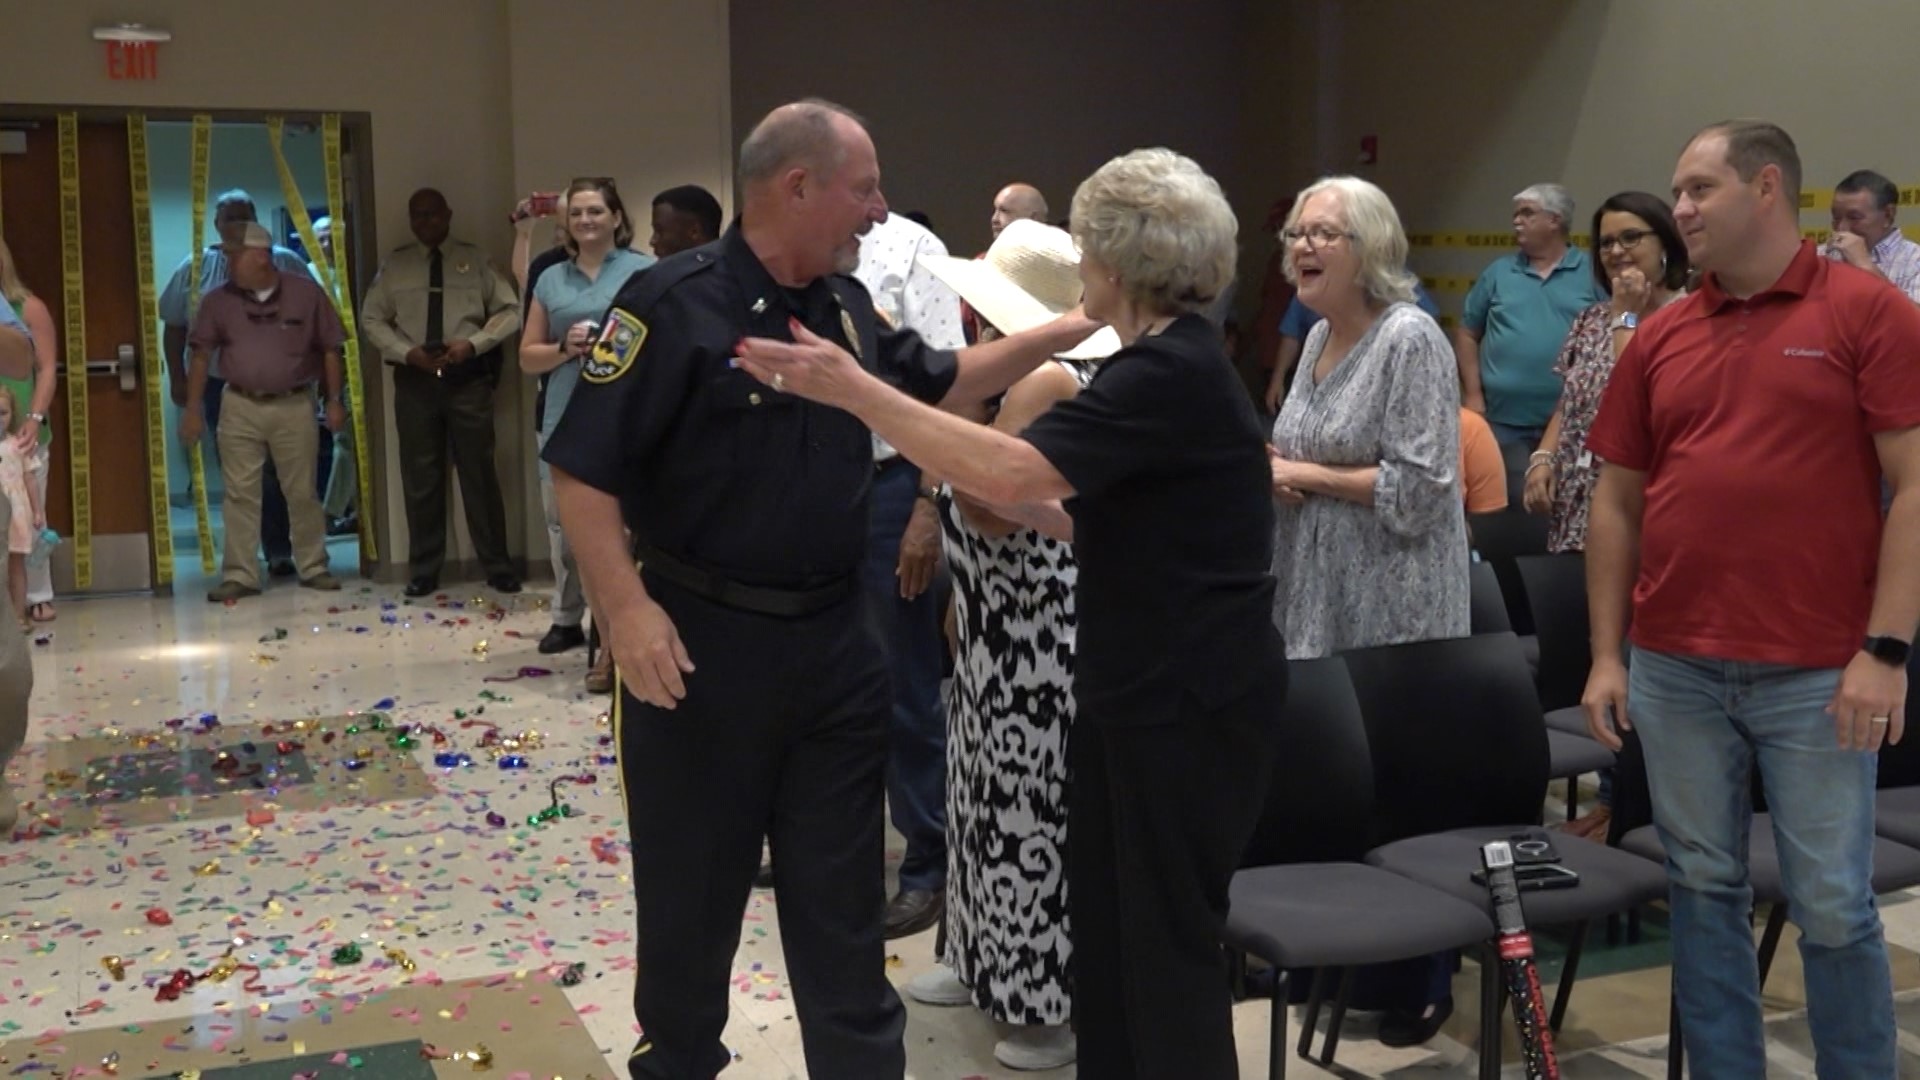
column 801, row 134
column 1552, row 198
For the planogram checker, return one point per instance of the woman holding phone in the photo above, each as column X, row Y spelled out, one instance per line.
column 566, row 300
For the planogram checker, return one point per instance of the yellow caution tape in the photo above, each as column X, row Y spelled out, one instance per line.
column 155, row 371
column 1477, row 240
column 196, row 460
column 73, row 282
column 1822, row 198
column 334, row 282
column 1446, row 283
column 343, row 297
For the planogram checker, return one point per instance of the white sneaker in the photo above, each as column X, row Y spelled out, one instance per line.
column 1036, row 1047
column 939, row 987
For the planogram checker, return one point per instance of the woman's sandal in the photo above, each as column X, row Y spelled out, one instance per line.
column 42, row 612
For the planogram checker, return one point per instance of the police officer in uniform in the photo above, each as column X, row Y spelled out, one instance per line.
column 754, row 700
column 438, row 312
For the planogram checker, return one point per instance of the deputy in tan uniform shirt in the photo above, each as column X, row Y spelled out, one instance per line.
column 438, row 313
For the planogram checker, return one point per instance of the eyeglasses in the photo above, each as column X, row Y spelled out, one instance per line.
column 1625, row 240
column 1316, row 236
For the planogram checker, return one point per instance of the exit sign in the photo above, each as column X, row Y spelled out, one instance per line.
column 136, row 61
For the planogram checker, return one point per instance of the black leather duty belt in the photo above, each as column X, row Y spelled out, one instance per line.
column 782, row 603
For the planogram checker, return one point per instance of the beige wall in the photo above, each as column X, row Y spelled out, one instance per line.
column 964, row 97
column 479, row 98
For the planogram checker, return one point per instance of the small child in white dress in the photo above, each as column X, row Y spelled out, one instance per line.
column 28, row 517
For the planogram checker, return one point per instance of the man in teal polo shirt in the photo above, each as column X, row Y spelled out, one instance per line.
column 1518, row 315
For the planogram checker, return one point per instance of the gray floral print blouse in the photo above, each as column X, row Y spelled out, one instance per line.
column 1352, row 576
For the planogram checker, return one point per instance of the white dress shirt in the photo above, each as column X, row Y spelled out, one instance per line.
column 905, row 294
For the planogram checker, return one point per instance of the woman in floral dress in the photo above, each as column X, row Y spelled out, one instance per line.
column 1642, row 263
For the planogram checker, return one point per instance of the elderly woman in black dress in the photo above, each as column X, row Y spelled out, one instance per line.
column 1161, row 464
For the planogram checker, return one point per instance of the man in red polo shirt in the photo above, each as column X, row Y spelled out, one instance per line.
column 1745, row 433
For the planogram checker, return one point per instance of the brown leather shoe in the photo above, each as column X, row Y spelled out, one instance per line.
column 1590, row 826
column 914, row 911
column 600, row 679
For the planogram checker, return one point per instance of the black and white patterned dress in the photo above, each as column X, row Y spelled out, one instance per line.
column 1009, row 709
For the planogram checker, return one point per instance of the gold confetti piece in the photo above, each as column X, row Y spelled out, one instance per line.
column 481, row 1057
column 480, row 649
column 116, row 967
column 299, row 1047
column 207, row 869
column 400, row 959
column 223, row 968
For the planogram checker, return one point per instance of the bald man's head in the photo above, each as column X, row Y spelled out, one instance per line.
column 1017, row 201
column 810, row 182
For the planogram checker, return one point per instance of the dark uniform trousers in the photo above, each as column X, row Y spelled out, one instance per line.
column 782, row 734
column 432, row 413
column 1159, row 818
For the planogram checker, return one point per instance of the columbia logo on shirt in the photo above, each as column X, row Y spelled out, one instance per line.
column 1811, row 354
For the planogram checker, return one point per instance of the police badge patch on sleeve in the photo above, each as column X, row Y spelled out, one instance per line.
column 620, row 341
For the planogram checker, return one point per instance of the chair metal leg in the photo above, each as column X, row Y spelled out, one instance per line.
column 1770, row 940
column 1236, row 973
column 1277, row 1035
column 1567, row 974
column 1492, row 1001
column 1315, row 995
column 1573, row 797
column 1340, row 998
column 1676, row 1047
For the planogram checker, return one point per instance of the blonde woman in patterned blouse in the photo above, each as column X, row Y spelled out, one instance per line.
column 1642, row 263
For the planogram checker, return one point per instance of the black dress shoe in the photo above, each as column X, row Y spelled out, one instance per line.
column 343, row 526
column 561, row 638
column 422, row 585
column 1401, row 1029
column 504, row 582
column 282, row 568
column 913, row 911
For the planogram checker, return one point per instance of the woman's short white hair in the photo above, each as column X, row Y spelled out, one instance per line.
column 1162, row 225
column 1373, row 228
column 1552, row 198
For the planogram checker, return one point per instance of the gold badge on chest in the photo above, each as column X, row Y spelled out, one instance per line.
column 853, row 335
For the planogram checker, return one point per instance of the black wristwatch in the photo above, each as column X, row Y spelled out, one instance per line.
column 1888, row 650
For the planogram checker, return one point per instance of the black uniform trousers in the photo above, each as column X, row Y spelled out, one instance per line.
column 1159, row 818
column 783, row 735
column 432, row 415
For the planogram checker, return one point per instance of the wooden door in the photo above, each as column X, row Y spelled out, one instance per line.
column 30, row 185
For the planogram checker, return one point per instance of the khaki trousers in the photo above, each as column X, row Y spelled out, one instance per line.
column 251, row 432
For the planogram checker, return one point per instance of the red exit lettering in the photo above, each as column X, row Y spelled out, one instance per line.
column 133, row 60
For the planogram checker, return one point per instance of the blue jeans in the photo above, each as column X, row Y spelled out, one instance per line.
column 1704, row 723
column 910, row 636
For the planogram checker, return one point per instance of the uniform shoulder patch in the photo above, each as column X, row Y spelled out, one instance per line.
column 620, row 341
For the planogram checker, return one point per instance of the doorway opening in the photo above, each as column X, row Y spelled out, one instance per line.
column 120, row 448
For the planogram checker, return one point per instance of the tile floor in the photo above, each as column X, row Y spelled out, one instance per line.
column 215, row 782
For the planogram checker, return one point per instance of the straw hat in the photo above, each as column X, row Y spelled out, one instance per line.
column 1029, row 276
